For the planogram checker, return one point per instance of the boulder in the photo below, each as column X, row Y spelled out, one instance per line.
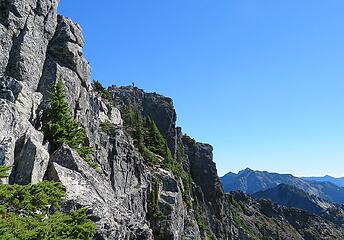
column 31, row 158
column 86, row 188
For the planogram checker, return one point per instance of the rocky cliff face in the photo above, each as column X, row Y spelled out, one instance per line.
column 127, row 197
column 152, row 105
column 197, row 159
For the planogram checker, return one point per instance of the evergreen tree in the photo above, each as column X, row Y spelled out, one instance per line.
column 62, row 128
column 154, row 140
column 150, row 141
column 157, row 144
column 104, row 93
column 98, row 86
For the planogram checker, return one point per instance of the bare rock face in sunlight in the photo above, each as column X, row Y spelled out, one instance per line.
column 129, row 195
column 26, row 30
column 86, row 187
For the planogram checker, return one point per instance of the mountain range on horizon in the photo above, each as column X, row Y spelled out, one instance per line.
column 338, row 181
column 250, row 182
column 324, row 178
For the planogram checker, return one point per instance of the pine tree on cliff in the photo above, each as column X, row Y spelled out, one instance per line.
column 156, row 142
column 154, row 139
column 60, row 126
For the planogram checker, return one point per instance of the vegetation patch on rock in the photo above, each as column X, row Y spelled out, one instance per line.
column 104, row 93
column 150, row 142
column 33, row 212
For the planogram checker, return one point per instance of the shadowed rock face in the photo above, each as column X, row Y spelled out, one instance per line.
column 37, row 47
column 209, row 192
column 202, row 168
column 198, row 157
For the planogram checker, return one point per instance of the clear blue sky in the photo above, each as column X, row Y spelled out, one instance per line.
column 262, row 81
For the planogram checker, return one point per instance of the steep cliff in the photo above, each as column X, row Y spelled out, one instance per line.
column 126, row 194
column 128, row 197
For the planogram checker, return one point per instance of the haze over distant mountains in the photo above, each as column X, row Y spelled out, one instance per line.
column 250, row 182
column 327, row 178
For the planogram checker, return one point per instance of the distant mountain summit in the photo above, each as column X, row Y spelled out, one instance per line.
column 250, row 182
column 327, row 178
column 291, row 196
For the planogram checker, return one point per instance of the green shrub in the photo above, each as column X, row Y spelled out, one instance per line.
column 202, row 225
column 97, row 86
column 187, row 199
column 150, row 141
column 239, row 222
column 154, row 213
column 180, row 153
column 200, row 221
column 4, row 171
column 56, row 226
column 60, row 127
column 31, row 198
column 148, row 155
column 157, row 144
column 137, row 127
column 133, row 121
column 25, row 213
column 106, row 126
column 104, row 93
column 210, row 235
